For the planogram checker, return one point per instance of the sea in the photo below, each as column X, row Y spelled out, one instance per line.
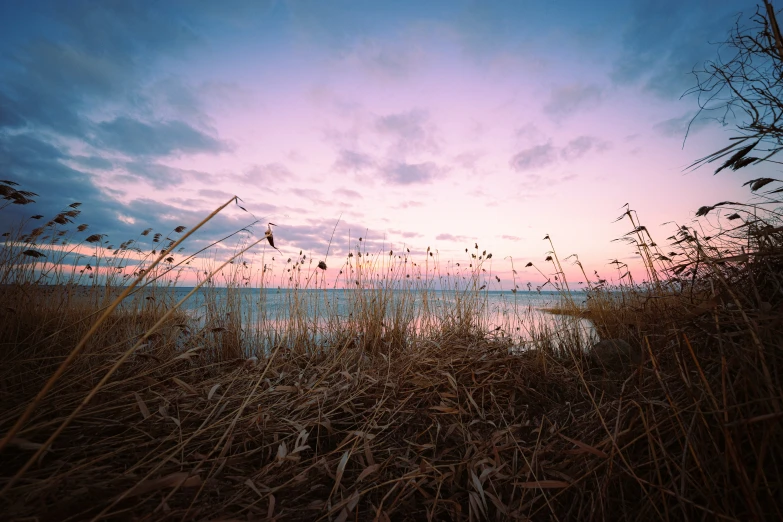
column 517, row 315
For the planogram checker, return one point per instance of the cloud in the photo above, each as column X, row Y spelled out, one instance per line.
column 10, row 115
column 542, row 156
column 666, row 39
column 136, row 138
column 164, row 217
column 93, row 162
column 403, row 135
column 412, row 132
column 50, row 85
column 404, row 233
column 311, row 194
column 679, row 126
column 511, row 238
column 268, row 175
column 315, row 235
column 410, row 173
column 38, row 166
column 163, row 175
column 76, row 55
column 67, row 66
column 451, row 237
column 565, row 101
column 536, row 157
column 215, row 194
column 580, row 146
column 384, row 60
column 350, row 161
column 532, row 183
column 347, row 193
column 529, row 132
column 174, row 98
column 468, row 160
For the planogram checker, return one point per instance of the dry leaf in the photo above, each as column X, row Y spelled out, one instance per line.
column 185, row 386
column 585, row 448
column 444, row 409
column 341, row 469
column 366, row 472
column 543, row 484
column 249, row 483
column 479, row 489
column 282, row 451
column 145, row 412
column 25, row 444
column 271, row 511
column 421, row 381
column 353, row 501
column 173, row 480
column 212, row 391
column 368, row 453
column 193, row 352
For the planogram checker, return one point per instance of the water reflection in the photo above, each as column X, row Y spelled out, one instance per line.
column 269, row 315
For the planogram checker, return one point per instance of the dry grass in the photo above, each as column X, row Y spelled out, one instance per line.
column 409, row 409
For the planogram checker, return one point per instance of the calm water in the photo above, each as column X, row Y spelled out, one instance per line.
column 511, row 314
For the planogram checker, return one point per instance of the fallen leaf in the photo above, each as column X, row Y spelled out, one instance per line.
column 185, row 386
column 543, row 484
column 366, row 472
column 180, row 479
column 145, row 412
column 25, row 444
column 341, row 469
column 444, row 409
column 212, row 391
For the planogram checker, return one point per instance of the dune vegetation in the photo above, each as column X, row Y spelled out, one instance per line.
column 117, row 404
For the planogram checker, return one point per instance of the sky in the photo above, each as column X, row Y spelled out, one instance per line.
column 409, row 124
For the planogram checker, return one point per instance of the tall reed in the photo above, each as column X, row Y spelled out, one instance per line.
column 398, row 394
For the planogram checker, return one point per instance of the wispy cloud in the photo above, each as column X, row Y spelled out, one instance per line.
column 214, row 194
column 385, row 60
column 136, row 138
column 567, row 100
column 451, row 237
column 543, row 156
column 410, row 173
column 580, row 146
column 410, row 204
column 347, row 193
column 408, row 234
column 412, row 132
column 350, row 161
column 163, row 175
column 532, row 158
column 93, row 162
column 267, row 175
column 666, row 39
column 311, row 194
column 680, row 126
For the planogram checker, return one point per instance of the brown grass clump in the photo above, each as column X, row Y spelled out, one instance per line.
column 411, row 408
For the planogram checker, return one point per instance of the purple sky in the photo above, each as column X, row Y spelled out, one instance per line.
column 418, row 123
